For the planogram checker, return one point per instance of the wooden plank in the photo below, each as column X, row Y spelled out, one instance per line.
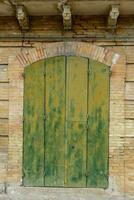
column 55, row 121
column 3, row 91
column 76, row 84
column 129, row 109
column 34, row 125
column 4, row 109
column 3, row 127
column 76, row 155
column 76, row 121
column 129, row 91
column 130, row 72
column 98, row 111
column 3, row 73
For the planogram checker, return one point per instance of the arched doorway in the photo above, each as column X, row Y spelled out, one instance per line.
column 66, row 115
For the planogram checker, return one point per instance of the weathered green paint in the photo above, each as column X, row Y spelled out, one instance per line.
column 55, row 121
column 76, row 117
column 66, row 113
column 34, row 125
column 98, row 110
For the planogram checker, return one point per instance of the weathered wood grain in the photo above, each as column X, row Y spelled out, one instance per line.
column 33, row 166
column 55, row 121
column 76, row 107
column 98, row 125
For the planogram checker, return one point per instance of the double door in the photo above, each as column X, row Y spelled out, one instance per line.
column 66, row 114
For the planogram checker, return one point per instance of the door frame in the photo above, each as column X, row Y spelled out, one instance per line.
column 16, row 84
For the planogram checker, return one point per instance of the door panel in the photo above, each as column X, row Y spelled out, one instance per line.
column 55, row 121
column 66, row 116
column 77, row 88
column 98, row 109
column 76, row 154
column 76, row 113
column 34, row 125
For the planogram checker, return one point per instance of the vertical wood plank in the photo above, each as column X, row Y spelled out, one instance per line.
column 76, row 121
column 34, row 125
column 55, row 121
column 98, row 108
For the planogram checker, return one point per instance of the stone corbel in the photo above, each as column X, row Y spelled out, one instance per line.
column 65, row 9
column 22, row 17
column 113, row 17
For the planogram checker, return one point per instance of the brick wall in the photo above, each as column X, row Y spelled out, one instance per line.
column 129, row 119
column 121, row 136
column 3, row 120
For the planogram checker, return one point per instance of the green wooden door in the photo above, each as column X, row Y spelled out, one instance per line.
column 34, row 125
column 55, row 121
column 66, row 113
column 76, row 121
column 98, row 120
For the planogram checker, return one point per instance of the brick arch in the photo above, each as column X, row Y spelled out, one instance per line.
column 82, row 49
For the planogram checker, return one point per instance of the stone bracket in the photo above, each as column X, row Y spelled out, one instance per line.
column 22, row 17
column 65, row 9
column 67, row 17
column 113, row 17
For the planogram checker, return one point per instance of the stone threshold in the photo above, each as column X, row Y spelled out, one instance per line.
column 14, row 192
